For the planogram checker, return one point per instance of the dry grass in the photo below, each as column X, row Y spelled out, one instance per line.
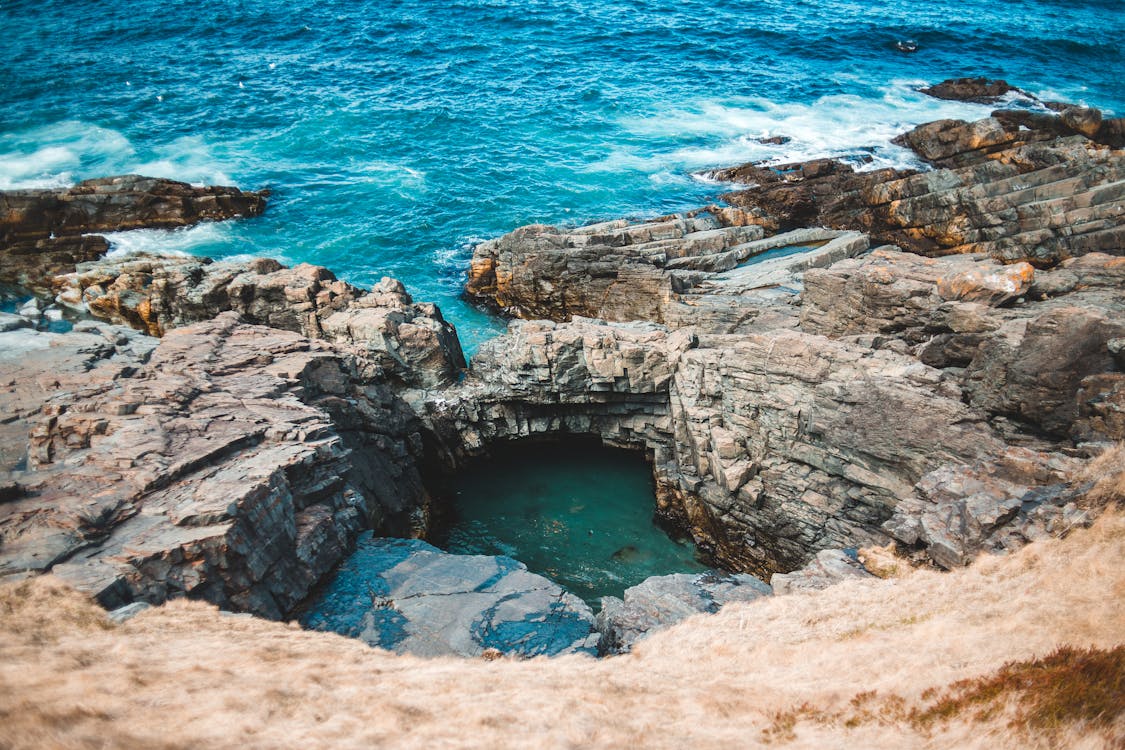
column 1106, row 474
column 857, row 665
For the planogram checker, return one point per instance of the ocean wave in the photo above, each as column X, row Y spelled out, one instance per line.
column 169, row 242
column 727, row 133
column 65, row 152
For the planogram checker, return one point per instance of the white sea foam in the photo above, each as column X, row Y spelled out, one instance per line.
column 64, row 152
column 730, row 132
column 175, row 242
column 50, row 156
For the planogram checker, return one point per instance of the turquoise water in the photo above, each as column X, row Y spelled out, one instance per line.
column 396, row 133
column 577, row 513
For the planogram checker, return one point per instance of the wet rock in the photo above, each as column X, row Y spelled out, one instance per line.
column 1040, row 195
column 44, row 233
column 978, row 90
column 662, row 601
column 409, row 597
column 112, row 204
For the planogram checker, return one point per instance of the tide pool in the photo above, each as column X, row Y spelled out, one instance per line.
column 573, row 511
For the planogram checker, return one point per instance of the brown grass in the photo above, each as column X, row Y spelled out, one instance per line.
column 1069, row 687
column 848, row 666
column 1106, row 474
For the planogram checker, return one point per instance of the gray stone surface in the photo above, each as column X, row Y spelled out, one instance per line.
column 829, row 567
column 410, row 597
column 232, row 463
column 662, row 601
column 390, row 335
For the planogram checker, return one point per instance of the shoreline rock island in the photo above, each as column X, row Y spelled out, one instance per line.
column 831, row 359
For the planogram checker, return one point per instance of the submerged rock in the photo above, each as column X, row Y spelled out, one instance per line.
column 662, row 601
column 410, row 597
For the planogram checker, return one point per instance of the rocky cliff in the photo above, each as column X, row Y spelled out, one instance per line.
column 796, row 390
column 937, row 391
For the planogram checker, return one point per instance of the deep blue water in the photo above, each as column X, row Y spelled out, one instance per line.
column 397, row 132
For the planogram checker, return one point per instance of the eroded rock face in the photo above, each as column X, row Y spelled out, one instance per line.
column 234, row 463
column 46, row 232
column 829, row 429
column 409, row 597
column 680, row 270
column 390, row 334
column 1025, row 357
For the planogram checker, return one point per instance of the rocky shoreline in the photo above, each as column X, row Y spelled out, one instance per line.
column 832, row 359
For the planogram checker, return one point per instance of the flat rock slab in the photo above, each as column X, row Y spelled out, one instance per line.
column 662, row 601
column 407, row 596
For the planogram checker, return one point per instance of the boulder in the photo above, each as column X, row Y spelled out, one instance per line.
column 829, row 567
column 978, row 90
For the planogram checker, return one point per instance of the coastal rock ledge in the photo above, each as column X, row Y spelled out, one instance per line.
column 832, row 359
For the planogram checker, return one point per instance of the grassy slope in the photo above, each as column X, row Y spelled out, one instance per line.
column 792, row 671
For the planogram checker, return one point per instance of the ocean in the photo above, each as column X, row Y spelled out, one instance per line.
column 396, row 134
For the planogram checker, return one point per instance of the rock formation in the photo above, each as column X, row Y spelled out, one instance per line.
column 47, row 232
column 765, row 399
column 390, row 335
column 661, row 601
column 798, row 392
column 409, row 597
column 228, row 462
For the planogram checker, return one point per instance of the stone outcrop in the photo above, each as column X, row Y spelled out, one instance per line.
column 231, row 462
column 1021, row 344
column 47, row 232
column 796, row 391
column 829, row 567
column 979, row 90
column 773, row 437
column 390, row 335
column 409, row 597
column 647, row 270
column 1038, row 195
column 1012, row 193
column 662, row 601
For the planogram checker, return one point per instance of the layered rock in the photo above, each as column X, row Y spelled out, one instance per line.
column 1022, row 344
column 774, row 436
column 46, row 232
column 390, row 334
column 1012, row 193
column 409, row 597
column 646, row 270
column 236, row 464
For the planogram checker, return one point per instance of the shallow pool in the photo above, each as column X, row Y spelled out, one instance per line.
column 573, row 511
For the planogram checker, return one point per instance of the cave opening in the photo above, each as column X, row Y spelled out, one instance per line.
column 569, row 508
